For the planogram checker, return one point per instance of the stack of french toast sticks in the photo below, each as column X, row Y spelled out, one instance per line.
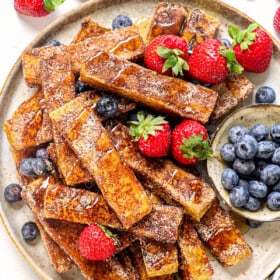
column 162, row 214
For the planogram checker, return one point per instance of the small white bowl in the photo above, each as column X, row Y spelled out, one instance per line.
column 267, row 114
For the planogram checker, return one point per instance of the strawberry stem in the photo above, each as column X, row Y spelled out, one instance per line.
column 109, row 234
column 51, row 4
column 196, row 147
column 232, row 63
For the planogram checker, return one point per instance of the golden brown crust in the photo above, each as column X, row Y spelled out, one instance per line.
column 189, row 191
column 130, row 80
column 219, row 231
column 194, row 263
column 168, row 18
column 92, row 144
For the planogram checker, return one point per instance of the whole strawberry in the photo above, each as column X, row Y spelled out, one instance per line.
column 276, row 21
column 36, row 8
column 211, row 62
column 152, row 134
column 167, row 55
column 190, row 142
column 253, row 47
column 97, row 243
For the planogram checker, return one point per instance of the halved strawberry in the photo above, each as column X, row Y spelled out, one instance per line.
column 152, row 134
column 167, row 55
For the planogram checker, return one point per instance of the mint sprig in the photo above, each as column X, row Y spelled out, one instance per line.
column 51, row 4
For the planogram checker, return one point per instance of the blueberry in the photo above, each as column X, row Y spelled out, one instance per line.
column 265, row 94
column 238, row 196
column 246, row 147
column 266, row 149
column 26, row 167
column 42, row 153
column 276, row 188
column 275, row 132
column 253, row 204
column 243, row 167
column 12, row 193
column 121, row 21
column 41, row 166
column 82, row 87
column 257, row 189
column 243, row 182
column 276, row 156
column 226, row 42
column 236, row 133
column 273, row 201
column 107, row 106
column 228, row 152
column 190, row 51
column 53, row 42
column 229, row 179
column 253, row 223
column 259, row 131
column 260, row 165
column 270, row 175
column 29, row 231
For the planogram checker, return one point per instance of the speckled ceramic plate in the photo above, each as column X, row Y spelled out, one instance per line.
column 247, row 116
column 264, row 240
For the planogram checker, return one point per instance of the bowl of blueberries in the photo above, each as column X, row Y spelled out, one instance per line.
column 245, row 168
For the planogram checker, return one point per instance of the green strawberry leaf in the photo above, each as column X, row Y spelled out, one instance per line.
column 51, row 4
column 232, row 64
column 145, row 126
column 109, row 234
column 173, row 60
column 196, row 147
column 233, row 31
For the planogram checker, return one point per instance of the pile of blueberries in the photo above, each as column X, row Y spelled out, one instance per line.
column 253, row 178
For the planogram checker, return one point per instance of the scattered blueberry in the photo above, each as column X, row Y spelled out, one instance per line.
column 257, row 189
column 26, row 167
column 12, row 193
column 270, row 175
column 29, row 231
column 246, row 147
column 253, row 223
column 42, row 153
column 266, row 149
column 41, row 166
column 229, row 179
column 273, row 201
column 275, row 132
column 265, row 94
column 259, row 131
column 236, row 133
column 276, row 156
column 121, row 21
column 226, row 42
column 82, row 87
column 253, row 204
column 107, row 106
column 228, row 152
column 238, row 196
column 243, row 167
column 53, row 42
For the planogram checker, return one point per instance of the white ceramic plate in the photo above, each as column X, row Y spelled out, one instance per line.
column 265, row 240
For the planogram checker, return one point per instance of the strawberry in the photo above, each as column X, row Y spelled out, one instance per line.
column 152, row 134
column 276, row 21
column 167, row 55
column 190, row 142
column 211, row 62
column 97, row 243
column 253, row 47
column 36, row 8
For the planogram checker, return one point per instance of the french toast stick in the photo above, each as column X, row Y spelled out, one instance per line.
column 232, row 92
column 194, row 263
column 220, row 233
column 91, row 143
column 107, row 72
column 159, row 259
column 125, row 43
column 89, row 29
column 189, row 191
column 198, row 27
column 30, row 125
column 168, row 18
